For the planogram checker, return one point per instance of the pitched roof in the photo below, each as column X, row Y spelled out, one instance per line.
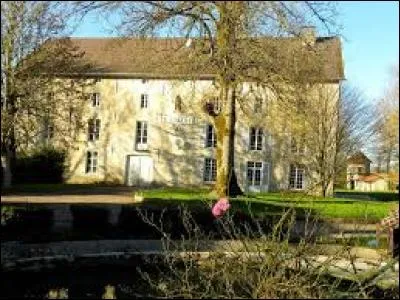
column 358, row 158
column 372, row 177
column 164, row 57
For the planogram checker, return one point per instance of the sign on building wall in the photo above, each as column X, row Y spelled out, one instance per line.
column 177, row 119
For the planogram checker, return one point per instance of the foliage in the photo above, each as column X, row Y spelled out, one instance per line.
column 45, row 165
column 228, row 38
column 242, row 267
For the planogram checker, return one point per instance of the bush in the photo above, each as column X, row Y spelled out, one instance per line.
column 268, row 267
column 46, row 165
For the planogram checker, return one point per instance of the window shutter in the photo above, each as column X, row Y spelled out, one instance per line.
column 244, row 174
column 246, row 137
column 201, row 169
column 203, row 136
column 266, row 167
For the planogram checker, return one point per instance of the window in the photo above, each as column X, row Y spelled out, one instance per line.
column 141, row 132
column 258, row 104
column 94, row 129
column 296, row 179
column 295, row 148
column 213, row 106
column 210, row 169
column 144, row 99
column 91, row 162
column 211, row 139
column 178, row 104
column 95, row 97
column 50, row 131
column 256, row 137
column 144, row 81
column 254, row 170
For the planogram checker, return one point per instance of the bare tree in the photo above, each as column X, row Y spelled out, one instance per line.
column 28, row 63
column 228, row 38
column 387, row 123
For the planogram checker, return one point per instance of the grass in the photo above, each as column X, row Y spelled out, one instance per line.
column 349, row 209
column 379, row 196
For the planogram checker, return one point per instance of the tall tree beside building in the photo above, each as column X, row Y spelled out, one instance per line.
column 387, row 125
column 230, row 39
column 27, row 73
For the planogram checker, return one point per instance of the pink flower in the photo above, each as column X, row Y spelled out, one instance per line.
column 220, row 207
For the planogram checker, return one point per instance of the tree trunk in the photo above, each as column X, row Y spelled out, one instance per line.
column 226, row 184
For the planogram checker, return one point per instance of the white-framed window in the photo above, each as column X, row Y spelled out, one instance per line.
column 254, row 173
column 211, row 138
column 210, row 169
column 144, row 100
column 214, row 106
column 258, row 102
column 256, row 138
column 91, row 161
column 93, row 129
column 296, row 177
column 141, row 133
column 50, row 131
column 95, row 97
column 297, row 148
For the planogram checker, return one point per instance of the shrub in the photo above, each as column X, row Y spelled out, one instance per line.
column 46, row 165
column 268, row 267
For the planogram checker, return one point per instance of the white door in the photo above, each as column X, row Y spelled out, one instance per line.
column 140, row 170
column 257, row 175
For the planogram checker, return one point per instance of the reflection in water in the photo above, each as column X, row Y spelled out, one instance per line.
column 109, row 293
column 58, row 294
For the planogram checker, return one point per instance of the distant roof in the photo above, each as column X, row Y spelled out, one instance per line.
column 358, row 158
column 127, row 57
column 372, row 177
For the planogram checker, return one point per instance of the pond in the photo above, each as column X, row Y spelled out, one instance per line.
column 88, row 282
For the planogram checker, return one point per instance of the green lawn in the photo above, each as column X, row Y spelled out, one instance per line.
column 275, row 203
column 369, row 210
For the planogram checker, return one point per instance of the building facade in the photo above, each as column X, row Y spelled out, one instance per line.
column 146, row 129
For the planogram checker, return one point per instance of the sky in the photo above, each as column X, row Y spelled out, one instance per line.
column 370, row 42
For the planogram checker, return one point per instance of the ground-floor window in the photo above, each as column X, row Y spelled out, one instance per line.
column 254, row 171
column 141, row 133
column 210, row 170
column 296, row 179
column 91, row 162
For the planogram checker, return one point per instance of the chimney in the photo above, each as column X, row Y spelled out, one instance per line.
column 307, row 34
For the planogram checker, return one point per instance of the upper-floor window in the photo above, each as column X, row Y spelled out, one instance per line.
column 258, row 101
column 210, row 170
column 48, row 129
column 213, row 106
column 144, row 99
column 296, row 177
column 95, row 97
column 141, row 132
column 297, row 148
column 144, row 80
column 256, row 138
column 91, row 162
column 94, row 129
column 178, row 103
column 211, row 138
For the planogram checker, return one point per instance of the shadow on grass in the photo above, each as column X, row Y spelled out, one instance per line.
column 67, row 189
